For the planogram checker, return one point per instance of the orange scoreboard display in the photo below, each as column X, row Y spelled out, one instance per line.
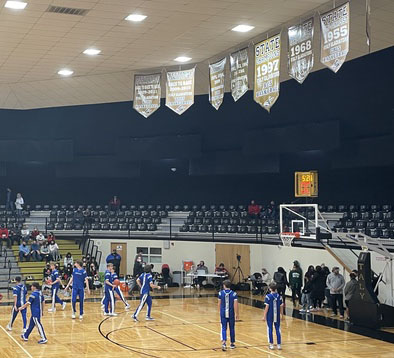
column 306, row 184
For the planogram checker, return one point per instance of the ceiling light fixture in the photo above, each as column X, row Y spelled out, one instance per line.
column 91, row 51
column 16, row 5
column 65, row 72
column 136, row 17
column 182, row 59
column 242, row 28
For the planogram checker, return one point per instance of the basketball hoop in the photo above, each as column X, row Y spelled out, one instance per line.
column 288, row 237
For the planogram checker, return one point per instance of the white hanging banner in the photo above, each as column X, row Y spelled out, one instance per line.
column 216, row 83
column 239, row 67
column 300, row 55
column 180, row 90
column 267, row 72
column 147, row 93
column 334, row 37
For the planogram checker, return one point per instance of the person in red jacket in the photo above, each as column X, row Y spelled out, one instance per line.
column 4, row 237
column 253, row 209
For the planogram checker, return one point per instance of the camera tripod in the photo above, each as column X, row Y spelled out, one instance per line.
column 238, row 270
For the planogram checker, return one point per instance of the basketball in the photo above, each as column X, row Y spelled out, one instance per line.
column 49, row 280
column 116, row 282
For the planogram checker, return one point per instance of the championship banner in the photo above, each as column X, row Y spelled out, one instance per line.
column 239, row 67
column 334, row 36
column 266, row 72
column 180, row 90
column 300, row 41
column 147, row 93
column 216, row 83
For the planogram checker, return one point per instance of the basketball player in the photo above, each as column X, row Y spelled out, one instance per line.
column 118, row 291
column 19, row 293
column 55, row 286
column 145, row 282
column 228, row 307
column 109, row 296
column 78, row 280
column 36, row 302
column 272, row 314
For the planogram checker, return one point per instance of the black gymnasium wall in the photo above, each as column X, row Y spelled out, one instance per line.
column 340, row 124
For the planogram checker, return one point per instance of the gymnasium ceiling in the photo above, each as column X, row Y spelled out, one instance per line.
column 36, row 44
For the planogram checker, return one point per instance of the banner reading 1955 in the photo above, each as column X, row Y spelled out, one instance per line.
column 266, row 72
column 334, row 36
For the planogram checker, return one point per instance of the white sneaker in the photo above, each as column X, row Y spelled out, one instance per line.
column 9, row 328
column 106, row 314
column 51, row 310
column 24, row 330
column 271, row 346
column 302, row 310
column 149, row 319
column 81, row 316
column 64, row 305
column 113, row 314
column 73, row 316
column 279, row 346
column 127, row 307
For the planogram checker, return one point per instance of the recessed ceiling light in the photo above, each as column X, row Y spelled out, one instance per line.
column 182, row 59
column 91, row 51
column 135, row 17
column 65, row 72
column 17, row 5
column 242, row 28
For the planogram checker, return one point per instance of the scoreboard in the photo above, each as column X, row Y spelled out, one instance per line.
column 306, row 184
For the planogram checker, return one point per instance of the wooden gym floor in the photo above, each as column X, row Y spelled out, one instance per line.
column 186, row 326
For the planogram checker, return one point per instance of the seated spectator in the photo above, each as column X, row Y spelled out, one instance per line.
column 54, row 251
column 15, row 236
column 253, row 209
column 4, row 238
column 221, row 271
column 24, row 252
column 40, row 239
column 200, row 279
column 272, row 210
column 67, row 273
column 50, row 237
column 265, row 277
column 114, row 204
column 25, row 233
column 35, row 251
column 68, row 260
column 34, row 233
column 44, row 251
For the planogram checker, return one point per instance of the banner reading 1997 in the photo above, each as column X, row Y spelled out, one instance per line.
column 266, row 72
column 147, row 93
column 300, row 40
column 335, row 36
column 180, row 90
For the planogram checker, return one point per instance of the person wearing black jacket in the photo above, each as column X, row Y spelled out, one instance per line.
column 318, row 286
column 280, row 279
column 295, row 283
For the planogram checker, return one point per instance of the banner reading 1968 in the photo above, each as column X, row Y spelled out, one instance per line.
column 239, row 66
column 147, row 93
column 300, row 41
column 335, row 36
column 180, row 90
column 266, row 72
column 216, row 83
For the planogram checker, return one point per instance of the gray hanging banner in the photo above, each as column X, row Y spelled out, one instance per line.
column 334, row 37
column 216, row 83
column 239, row 67
column 180, row 90
column 300, row 45
column 147, row 93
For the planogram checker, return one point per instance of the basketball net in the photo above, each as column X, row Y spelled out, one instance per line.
column 288, row 237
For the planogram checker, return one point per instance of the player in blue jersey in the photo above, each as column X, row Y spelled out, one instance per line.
column 118, row 291
column 36, row 302
column 228, row 308
column 78, row 281
column 272, row 314
column 55, row 286
column 19, row 293
column 145, row 282
column 109, row 289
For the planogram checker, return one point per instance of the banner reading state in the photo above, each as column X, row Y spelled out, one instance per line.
column 239, row 66
column 147, row 93
column 334, row 36
column 180, row 90
column 216, row 83
column 266, row 72
column 300, row 41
